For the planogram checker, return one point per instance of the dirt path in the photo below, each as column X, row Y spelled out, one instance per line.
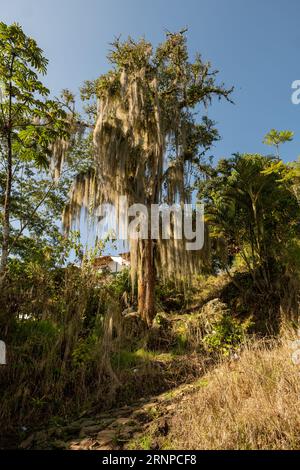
column 121, row 428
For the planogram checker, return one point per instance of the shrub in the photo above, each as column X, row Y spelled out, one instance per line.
column 227, row 335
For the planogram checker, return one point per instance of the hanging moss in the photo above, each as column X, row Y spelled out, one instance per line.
column 146, row 140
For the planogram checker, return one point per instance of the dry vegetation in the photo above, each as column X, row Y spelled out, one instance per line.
column 81, row 354
column 249, row 403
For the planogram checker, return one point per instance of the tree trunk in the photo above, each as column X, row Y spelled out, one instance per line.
column 6, row 211
column 146, row 283
column 7, row 199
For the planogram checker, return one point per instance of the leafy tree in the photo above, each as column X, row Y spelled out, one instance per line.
column 37, row 202
column 148, row 141
column 253, row 212
column 29, row 121
column 287, row 174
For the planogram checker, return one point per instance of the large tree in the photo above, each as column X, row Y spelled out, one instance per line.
column 148, row 143
column 29, row 121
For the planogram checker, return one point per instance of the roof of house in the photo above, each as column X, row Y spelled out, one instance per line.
column 103, row 261
column 125, row 255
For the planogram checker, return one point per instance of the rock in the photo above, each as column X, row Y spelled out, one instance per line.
column 27, row 443
column 74, row 445
column 84, row 444
column 72, row 428
column 86, row 431
column 87, row 423
column 106, row 437
column 97, row 446
column 121, row 422
column 140, row 416
column 129, row 430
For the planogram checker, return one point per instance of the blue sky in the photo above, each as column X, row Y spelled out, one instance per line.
column 254, row 44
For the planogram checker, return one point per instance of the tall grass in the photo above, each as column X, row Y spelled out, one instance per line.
column 249, row 403
column 53, row 323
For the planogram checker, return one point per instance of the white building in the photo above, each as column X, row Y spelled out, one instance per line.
column 114, row 264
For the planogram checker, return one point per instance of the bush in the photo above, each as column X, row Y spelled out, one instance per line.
column 121, row 287
column 52, row 321
column 227, row 335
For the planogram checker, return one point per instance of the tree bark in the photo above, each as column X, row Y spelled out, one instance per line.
column 6, row 210
column 146, row 283
column 7, row 199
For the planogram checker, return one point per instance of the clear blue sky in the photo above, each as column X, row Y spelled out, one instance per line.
column 254, row 44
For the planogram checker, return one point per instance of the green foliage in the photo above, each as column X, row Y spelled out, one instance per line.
column 172, row 297
column 181, row 340
column 84, row 352
column 125, row 359
column 35, row 338
column 31, row 120
column 293, row 256
column 29, row 123
column 275, row 138
column 251, row 213
column 120, row 284
column 37, row 202
column 227, row 335
column 141, row 443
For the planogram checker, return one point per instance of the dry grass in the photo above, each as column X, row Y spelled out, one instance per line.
column 250, row 403
column 54, row 336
